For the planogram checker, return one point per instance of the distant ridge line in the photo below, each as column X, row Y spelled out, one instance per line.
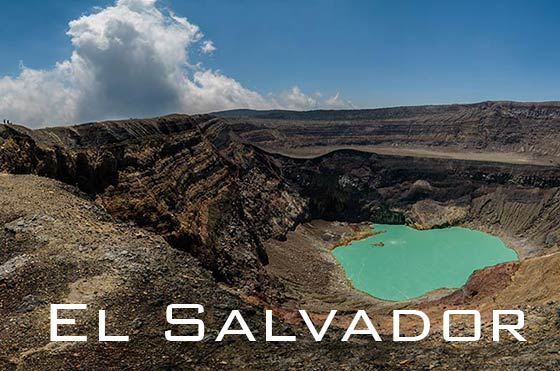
column 381, row 113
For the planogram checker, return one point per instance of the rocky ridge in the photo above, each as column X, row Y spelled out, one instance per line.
column 525, row 130
column 185, row 178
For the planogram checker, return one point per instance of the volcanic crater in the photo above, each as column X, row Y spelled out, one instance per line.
column 253, row 202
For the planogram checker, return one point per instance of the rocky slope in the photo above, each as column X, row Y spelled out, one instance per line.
column 186, row 178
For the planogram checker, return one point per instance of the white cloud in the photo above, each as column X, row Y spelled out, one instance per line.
column 132, row 60
column 337, row 102
column 295, row 99
column 207, row 47
column 37, row 94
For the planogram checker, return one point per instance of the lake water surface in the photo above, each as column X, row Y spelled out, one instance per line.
column 411, row 263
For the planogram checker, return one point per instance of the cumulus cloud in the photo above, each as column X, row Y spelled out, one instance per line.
column 207, row 47
column 37, row 94
column 131, row 59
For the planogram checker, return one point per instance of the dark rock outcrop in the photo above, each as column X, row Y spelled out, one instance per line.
column 185, row 178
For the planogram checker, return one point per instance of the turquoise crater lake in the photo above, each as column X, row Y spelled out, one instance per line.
column 403, row 263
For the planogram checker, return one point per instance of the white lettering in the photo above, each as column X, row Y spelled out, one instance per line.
column 477, row 325
column 102, row 336
column 64, row 321
column 396, row 325
column 361, row 314
column 496, row 326
column 184, row 321
column 317, row 336
column 269, row 335
column 244, row 328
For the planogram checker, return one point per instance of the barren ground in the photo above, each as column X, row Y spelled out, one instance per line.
column 309, row 152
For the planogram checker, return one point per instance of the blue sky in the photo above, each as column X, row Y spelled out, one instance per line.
column 375, row 53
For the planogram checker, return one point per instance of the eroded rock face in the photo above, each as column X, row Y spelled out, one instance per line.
column 527, row 212
column 428, row 214
column 529, row 128
column 516, row 200
column 186, row 178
